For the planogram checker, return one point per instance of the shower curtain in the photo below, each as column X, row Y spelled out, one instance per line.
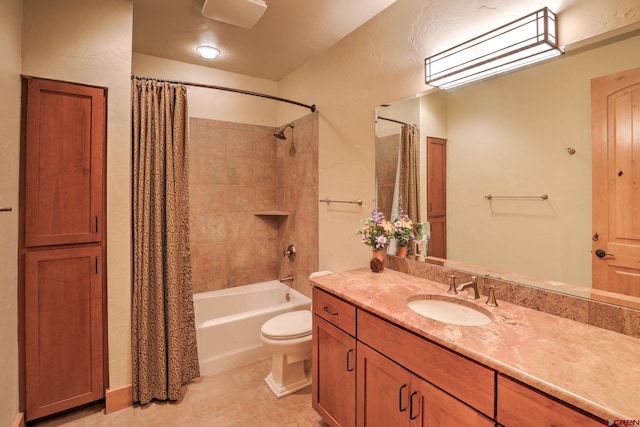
column 164, row 352
column 409, row 172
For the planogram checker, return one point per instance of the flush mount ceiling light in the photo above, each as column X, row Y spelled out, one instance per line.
column 208, row 52
column 522, row 42
column 241, row 13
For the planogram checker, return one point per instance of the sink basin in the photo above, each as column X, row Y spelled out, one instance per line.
column 449, row 310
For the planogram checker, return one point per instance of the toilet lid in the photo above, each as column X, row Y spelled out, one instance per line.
column 294, row 324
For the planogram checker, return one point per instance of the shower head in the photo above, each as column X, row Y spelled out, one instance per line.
column 280, row 133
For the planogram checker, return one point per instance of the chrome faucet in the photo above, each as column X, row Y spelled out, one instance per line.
column 452, row 285
column 472, row 286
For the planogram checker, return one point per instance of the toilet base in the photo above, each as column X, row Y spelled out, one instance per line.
column 285, row 378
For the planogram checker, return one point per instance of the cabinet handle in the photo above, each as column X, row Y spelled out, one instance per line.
column 402, row 387
column 325, row 308
column 96, row 265
column 411, row 406
column 96, row 223
column 349, row 368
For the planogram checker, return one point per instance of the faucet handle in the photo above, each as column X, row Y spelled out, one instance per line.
column 491, row 301
column 452, row 284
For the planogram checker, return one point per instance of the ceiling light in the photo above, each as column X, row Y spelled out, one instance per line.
column 208, row 52
column 522, row 42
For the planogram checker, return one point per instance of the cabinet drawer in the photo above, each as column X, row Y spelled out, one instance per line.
column 469, row 381
column 334, row 310
column 522, row 406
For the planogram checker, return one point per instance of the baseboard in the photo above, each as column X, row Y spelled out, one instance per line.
column 19, row 420
column 118, row 399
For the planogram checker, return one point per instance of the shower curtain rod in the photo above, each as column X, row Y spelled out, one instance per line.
column 395, row 121
column 230, row 89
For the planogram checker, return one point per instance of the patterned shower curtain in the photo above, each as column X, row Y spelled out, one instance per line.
column 409, row 172
column 164, row 351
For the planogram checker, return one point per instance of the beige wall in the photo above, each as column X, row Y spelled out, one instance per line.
column 215, row 104
column 383, row 61
column 90, row 42
column 10, row 43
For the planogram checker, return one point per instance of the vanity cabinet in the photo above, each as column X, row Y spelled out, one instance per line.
column 334, row 359
column 390, row 395
column 370, row 372
column 465, row 379
column 522, row 406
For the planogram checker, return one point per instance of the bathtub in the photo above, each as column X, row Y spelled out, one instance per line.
column 228, row 322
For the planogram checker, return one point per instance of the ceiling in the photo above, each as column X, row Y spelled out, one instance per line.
column 290, row 33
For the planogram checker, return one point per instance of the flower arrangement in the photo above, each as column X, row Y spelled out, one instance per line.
column 376, row 231
column 404, row 229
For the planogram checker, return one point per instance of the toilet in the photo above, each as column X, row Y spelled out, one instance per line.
column 288, row 338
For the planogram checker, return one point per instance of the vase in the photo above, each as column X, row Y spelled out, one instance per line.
column 401, row 251
column 377, row 261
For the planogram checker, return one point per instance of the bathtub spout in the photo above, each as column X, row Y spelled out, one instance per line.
column 287, row 278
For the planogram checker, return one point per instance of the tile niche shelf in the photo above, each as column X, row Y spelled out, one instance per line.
column 272, row 213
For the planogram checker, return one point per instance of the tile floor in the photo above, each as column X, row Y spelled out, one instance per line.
column 237, row 398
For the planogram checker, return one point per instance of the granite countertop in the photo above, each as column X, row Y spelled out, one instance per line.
column 590, row 368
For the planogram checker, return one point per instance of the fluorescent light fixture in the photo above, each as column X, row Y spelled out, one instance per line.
column 208, row 52
column 522, row 42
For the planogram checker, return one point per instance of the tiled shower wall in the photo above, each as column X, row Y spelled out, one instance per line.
column 386, row 167
column 235, row 171
column 297, row 193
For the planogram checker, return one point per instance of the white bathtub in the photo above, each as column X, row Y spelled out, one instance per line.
column 228, row 322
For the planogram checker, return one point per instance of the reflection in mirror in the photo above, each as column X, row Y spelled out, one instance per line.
column 509, row 135
column 398, row 172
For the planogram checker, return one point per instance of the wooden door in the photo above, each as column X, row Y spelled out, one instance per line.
column 65, row 132
column 437, row 195
column 383, row 390
column 432, row 407
column 63, row 329
column 615, row 110
column 334, row 374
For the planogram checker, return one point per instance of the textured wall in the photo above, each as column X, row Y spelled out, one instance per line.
column 10, row 43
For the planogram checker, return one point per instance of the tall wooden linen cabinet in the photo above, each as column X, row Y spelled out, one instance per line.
column 62, row 246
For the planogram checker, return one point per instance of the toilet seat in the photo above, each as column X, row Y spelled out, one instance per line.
column 294, row 324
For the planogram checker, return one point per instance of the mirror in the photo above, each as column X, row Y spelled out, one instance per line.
column 526, row 133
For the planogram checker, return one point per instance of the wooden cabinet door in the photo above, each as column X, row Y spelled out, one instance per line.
column 522, row 406
column 334, row 374
column 437, row 195
column 431, row 407
column 63, row 329
column 64, row 162
column 383, row 390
